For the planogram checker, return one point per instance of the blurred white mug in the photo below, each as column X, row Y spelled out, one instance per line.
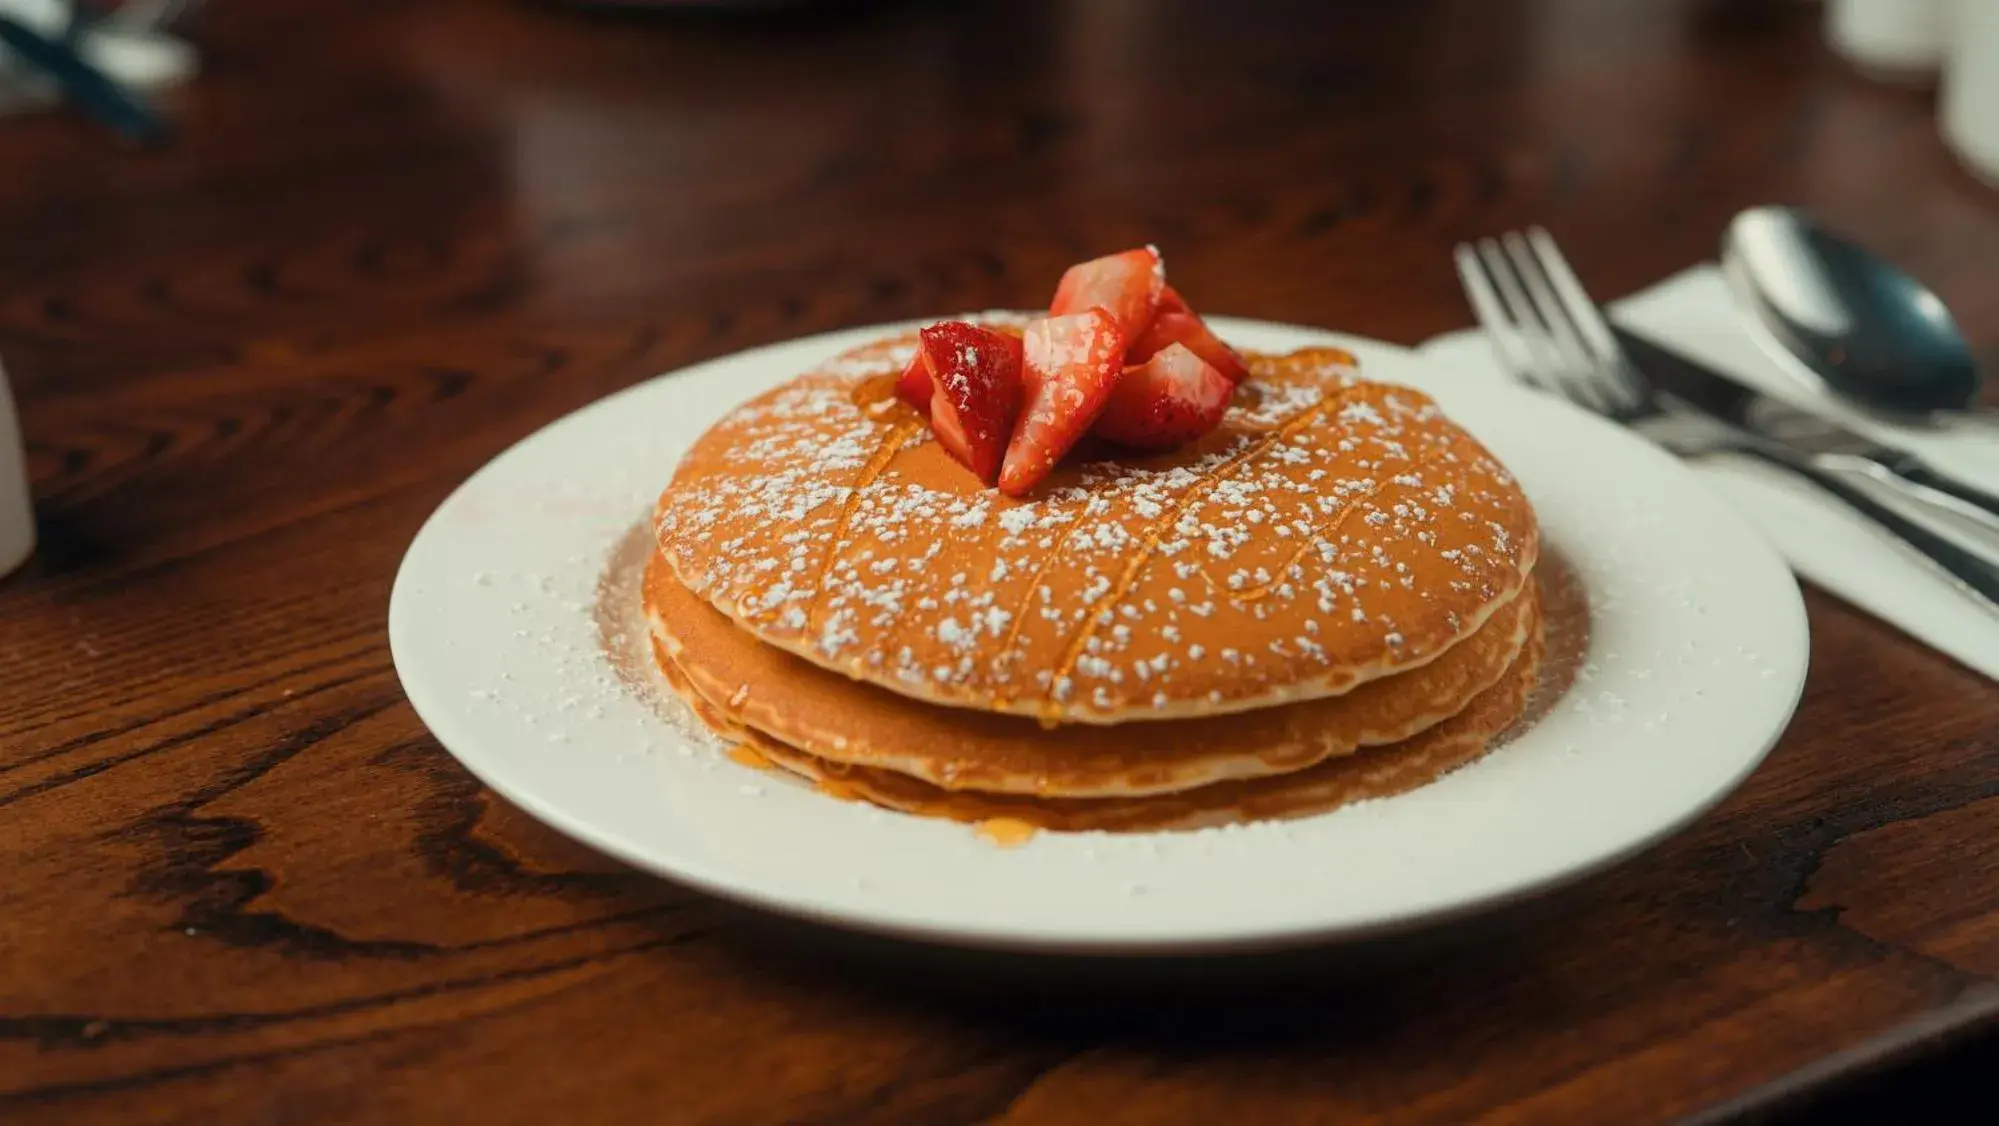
column 1892, row 38
column 1970, row 102
column 17, row 519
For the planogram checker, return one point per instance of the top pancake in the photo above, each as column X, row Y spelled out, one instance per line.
column 1330, row 531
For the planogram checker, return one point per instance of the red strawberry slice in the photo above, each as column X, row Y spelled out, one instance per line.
column 1192, row 332
column 1172, row 398
column 1177, row 323
column 1072, row 362
column 1128, row 284
column 976, row 375
column 914, row 385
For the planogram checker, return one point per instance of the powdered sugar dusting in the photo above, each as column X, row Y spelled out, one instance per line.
column 1327, row 521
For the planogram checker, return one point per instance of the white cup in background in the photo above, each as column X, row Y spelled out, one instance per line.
column 1969, row 109
column 17, row 519
column 1896, row 39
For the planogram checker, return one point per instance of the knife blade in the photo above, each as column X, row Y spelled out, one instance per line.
column 1771, row 417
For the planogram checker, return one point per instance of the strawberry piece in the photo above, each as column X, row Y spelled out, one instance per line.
column 1170, row 399
column 1193, row 333
column 976, row 376
column 914, row 386
column 1177, row 323
column 1071, row 364
column 1128, row 284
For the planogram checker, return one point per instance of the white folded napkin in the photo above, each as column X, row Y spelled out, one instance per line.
column 127, row 48
column 1824, row 542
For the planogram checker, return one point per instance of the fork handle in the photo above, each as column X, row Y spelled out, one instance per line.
column 1982, row 503
column 1916, row 473
column 1966, row 570
column 1974, row 522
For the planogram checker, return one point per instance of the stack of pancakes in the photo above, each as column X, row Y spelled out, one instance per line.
column 1327, row 598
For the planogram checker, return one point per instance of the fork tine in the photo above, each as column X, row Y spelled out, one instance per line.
column 1493, row 318
column 1578, row 366
column 1588, row 318
column 1543, row 360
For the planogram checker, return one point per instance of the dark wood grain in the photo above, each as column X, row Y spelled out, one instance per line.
column 242, row 883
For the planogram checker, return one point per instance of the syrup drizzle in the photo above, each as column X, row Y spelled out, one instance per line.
column 891, row 443
column 1007, row 653
column 1326, row 527
column 1150, row 546
column 1018, row 621
column 746, row 755
column 1006, row 832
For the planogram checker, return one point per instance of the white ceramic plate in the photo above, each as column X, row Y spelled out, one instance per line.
column 1695, row 659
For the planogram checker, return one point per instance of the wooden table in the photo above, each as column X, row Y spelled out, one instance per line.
column 243, row 883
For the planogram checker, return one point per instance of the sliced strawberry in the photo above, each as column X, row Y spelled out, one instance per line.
column 976, row 375
column 1170, row 301
column 1071, row 364
column 1183, row 327
column 1128, row 284
column 1170, row 399
column 914, row 385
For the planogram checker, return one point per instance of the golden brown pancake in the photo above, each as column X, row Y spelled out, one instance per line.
column 1373, row 773
column 839, row 720
column 1331, row 531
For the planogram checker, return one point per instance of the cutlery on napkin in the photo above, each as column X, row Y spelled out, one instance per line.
column 1694, row 313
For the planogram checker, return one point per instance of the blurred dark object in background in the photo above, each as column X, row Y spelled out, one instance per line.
column 698, row 5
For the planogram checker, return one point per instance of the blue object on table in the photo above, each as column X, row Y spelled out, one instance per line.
column 87, row 87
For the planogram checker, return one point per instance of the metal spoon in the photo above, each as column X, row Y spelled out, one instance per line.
column 1856, row 325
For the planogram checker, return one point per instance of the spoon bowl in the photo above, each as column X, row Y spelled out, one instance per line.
column 1855, row 325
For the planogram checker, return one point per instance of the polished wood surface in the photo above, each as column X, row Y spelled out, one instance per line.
column 243, row 883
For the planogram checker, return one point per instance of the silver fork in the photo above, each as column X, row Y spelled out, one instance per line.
column 1548, row 334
